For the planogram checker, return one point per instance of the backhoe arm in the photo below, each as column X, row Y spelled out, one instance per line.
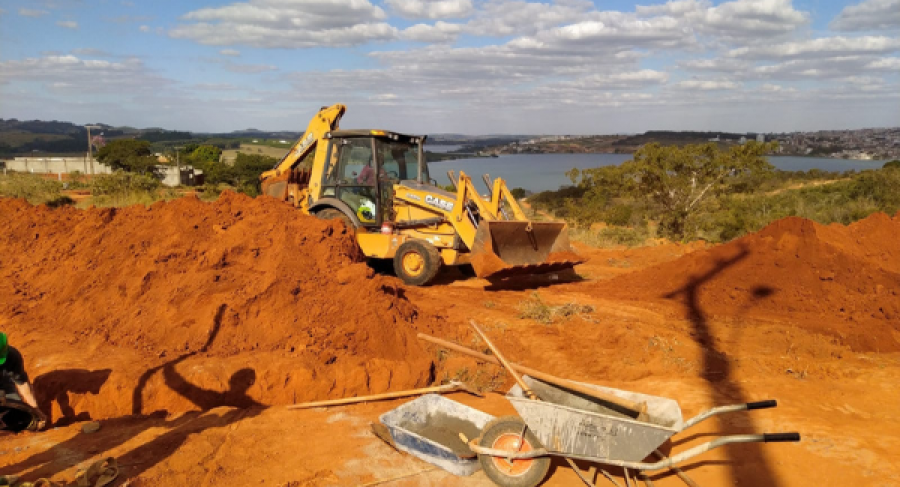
column 325, row 121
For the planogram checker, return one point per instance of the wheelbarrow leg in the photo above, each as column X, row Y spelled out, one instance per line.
column 580, row 475
column 680, row 473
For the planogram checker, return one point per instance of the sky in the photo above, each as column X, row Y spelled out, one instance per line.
column 455, row 66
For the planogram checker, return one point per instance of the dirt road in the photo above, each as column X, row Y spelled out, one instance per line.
column 840, row 395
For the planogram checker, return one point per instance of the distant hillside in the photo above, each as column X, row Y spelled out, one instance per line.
column 666, row 137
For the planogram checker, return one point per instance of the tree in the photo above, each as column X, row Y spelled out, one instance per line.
column 129, row 155
column 206, row 153
column 895, row 164
column 676, row 181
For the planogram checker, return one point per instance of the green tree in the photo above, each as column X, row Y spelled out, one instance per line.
column 206, row 153
column 675, row 181
column 129, row 155
column 518, row 193
column 895, row 164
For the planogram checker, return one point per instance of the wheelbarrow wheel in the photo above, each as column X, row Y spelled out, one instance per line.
column 505, row 434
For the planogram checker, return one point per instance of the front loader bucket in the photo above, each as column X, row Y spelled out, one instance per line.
column 513, row 248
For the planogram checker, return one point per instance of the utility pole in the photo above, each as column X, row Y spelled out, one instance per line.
column 91, row 145
column 178, row 163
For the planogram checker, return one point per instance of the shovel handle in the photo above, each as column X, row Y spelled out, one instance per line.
column 527, row 390
column 634, row 407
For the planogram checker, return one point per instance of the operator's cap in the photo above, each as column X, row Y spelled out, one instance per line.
column 4, row 348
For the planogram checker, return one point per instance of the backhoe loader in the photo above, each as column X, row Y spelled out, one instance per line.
column 377, row 182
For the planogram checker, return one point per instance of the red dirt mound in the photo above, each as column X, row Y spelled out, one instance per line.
column 843, row 281
column 239, row 281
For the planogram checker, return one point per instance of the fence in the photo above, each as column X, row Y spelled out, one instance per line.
column 169, row 175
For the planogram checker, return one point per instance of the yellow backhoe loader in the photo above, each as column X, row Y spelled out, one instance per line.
column 377, row 182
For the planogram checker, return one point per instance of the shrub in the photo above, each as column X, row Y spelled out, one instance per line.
column 124, row 188
column 33, row 188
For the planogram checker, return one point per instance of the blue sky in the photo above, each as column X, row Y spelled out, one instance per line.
column 463, row 66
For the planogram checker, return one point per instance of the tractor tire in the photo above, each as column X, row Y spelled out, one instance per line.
column 417, row 262
column 334, row 214
column 504, row 434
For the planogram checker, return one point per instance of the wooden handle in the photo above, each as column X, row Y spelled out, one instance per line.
column 527, row 390
column 637, row 408
column 374, row 397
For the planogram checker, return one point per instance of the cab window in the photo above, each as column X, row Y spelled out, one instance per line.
column 399, row 160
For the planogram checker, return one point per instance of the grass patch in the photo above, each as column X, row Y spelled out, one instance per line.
column 610, row 237
column 35, row 189
column 534, row 308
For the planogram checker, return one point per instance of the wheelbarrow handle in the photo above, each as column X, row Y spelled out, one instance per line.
column 768, row 403
column 666, row 463
column 781, row 437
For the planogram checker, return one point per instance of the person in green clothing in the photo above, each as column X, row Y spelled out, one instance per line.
column 14, row 381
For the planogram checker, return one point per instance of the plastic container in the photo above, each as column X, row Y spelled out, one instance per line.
column 417, row 412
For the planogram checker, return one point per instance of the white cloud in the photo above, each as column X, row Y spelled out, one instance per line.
column 752, row 18
column 144, row 28
column 770, row 88
column 706, row 85
column 516, row 17
column 438, row 33
column 79, row 75
column 869, row 15
column 27, row 12
column 822, row 47
column 432, row 9
column 89, row 51
column 617, row 81
column 721, row 65
column 886, row 64
column 674, row 8
column 288, row 24
column 249, row 68
column 68, row 24
column 230, row 52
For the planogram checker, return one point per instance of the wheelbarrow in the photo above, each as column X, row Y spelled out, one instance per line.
column 515, row 451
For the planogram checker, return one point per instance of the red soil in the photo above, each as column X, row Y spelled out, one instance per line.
column 214, row 288
column 842, row 281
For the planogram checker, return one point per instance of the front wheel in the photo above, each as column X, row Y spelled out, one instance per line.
column 417, row 262
column 506, row 433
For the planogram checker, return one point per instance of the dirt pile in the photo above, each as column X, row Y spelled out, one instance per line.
column 843, row 281
column 196, row 289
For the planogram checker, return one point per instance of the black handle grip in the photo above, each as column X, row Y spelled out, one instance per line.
column 778, row 437
column 768, row 403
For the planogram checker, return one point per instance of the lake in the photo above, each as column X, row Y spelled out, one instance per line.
column 542, row 172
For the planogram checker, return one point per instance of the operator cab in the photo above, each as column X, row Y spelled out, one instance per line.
column 364, row 165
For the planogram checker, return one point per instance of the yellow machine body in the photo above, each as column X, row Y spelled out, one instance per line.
column 377, row 181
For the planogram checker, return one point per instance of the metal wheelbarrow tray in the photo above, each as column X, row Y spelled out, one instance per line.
column 407, row 422
column 571, row 425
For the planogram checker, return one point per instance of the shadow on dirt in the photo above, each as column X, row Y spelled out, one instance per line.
column 55, row 386
column 116, row 432
column 717, row 370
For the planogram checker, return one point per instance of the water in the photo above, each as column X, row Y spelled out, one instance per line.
column 442, row 147
column 542, row 172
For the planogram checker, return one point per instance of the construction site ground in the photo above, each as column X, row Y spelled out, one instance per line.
column 195, row 404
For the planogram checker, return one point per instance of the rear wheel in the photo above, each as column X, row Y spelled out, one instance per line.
column 506, row 434
column 334, row 214
column 417, row 262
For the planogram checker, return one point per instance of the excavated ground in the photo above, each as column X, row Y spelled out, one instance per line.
column 798, row 312
column 187, row 305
